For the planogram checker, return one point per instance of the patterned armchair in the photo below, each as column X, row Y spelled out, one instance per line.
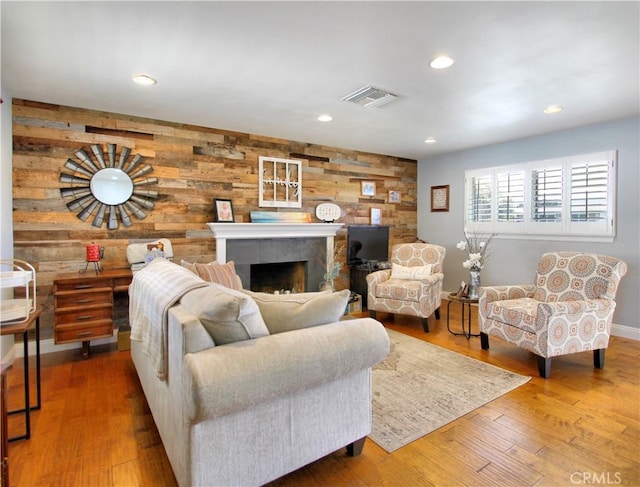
column 416, row 297
column 569, row 309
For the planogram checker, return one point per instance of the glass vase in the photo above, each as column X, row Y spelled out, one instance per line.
column 474, row 284
column 326, row 286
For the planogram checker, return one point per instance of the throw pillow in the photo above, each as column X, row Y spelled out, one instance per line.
column 224, row 274
column 286, row 312
column 413, row 273
column 227, row 314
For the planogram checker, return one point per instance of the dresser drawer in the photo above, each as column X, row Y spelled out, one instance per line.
column 68, row 299
column 83, row 314
column 82, row 332
column 82, row 284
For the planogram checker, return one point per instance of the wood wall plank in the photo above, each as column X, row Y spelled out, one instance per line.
column 193, row 165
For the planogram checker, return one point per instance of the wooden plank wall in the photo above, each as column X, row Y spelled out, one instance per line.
column 194, row 165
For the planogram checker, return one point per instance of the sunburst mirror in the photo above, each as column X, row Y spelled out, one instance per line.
column 110, row 189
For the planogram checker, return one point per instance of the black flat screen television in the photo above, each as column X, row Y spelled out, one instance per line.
column 367, row 243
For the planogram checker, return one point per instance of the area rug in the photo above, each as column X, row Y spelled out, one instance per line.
column 420, row 387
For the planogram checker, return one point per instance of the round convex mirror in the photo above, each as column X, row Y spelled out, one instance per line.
column 111, row 186
column 102, row 184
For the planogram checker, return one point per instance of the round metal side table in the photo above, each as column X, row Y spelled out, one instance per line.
column 453, row 298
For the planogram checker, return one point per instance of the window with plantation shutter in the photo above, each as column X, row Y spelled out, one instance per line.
column 565, row 198
column 589, row 192
column 546, row 194
column 510, row 196
column 479, row 199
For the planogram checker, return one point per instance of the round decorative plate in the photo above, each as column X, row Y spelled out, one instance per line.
column 328, row 212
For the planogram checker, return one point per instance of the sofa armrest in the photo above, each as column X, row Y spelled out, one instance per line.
column 238, row 375
column 500, row 293
column 547, row 311
column 375, row 278
column 195, row 336
column 433, row 281
column 489, row 294
column 591, row 309
column 378, row 277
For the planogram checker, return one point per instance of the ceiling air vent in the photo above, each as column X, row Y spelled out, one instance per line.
column 370, row 97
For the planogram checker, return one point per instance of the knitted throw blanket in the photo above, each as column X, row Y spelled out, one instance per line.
column 152, row 292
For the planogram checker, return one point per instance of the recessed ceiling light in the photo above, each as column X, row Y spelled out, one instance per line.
column 143, row 79
column 441, row 62
column 430, row 140
column 553, row 109
column 325, row 117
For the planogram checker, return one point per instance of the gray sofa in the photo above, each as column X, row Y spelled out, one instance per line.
column 249, row 411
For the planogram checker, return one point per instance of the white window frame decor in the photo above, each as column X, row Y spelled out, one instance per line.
column 567, row 198
column 280, row 182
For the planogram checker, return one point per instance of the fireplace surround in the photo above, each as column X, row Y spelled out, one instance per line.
column 247, row 244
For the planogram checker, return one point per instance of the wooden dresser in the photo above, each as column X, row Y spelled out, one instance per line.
column 84, row 305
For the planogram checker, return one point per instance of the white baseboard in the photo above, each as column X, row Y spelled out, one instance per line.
column 9, row 357
column 48, row 346
column 621, row 331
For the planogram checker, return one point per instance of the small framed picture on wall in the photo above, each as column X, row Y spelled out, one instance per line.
column 368, row 188
column 223, row 211
column 394, row 196
column 376, row 216
column 440, row 198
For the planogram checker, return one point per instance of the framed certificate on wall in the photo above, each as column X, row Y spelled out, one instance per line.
column 440, row 198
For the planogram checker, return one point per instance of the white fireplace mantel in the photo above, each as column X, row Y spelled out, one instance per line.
column 233, row 231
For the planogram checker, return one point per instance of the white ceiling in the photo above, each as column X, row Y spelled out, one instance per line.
column 271, row 68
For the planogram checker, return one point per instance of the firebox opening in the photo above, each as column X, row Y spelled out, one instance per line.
column 279, row 276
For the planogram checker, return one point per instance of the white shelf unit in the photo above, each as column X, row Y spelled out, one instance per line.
column 15, row 273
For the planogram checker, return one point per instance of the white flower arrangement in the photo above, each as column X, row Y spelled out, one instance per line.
column 334, row 270
column 476, row 249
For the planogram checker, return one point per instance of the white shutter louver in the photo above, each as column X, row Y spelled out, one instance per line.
column 546, row 195
column 589, row 191
column 510, row 197
column 479, row 199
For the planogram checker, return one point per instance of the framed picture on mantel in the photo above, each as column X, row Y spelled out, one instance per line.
column 223, row 211
column 440, row 198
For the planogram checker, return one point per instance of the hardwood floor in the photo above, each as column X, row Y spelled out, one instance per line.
column 580, row 427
